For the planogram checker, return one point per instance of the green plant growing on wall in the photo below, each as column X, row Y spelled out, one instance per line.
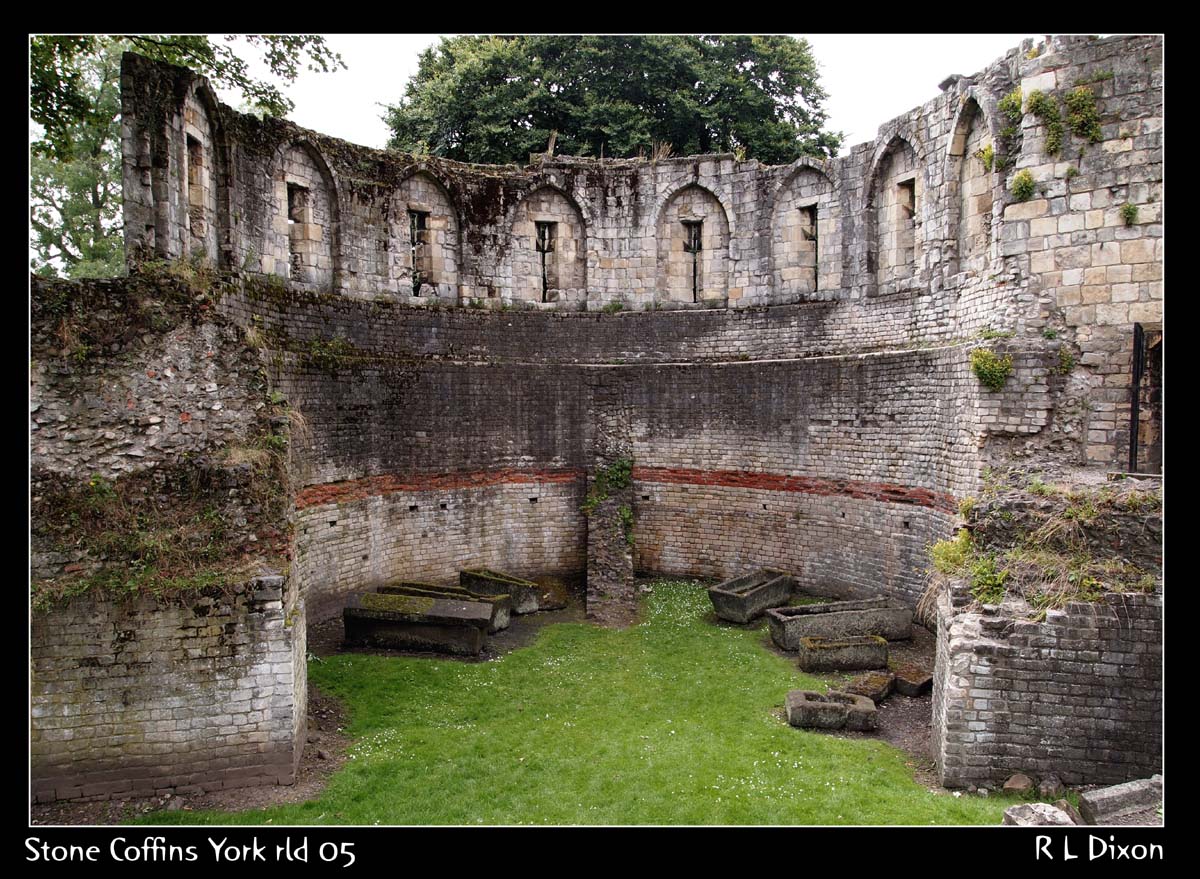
column 1022, row 186
column 1045, row 108
column 987, row 580
column 1083, row 117
column 613, row 307
column 987, row 155
column 1129, row 213
column 625, row 520
column 1072, row 172
column 1010, row 105
column 950, row 556
column 614, row 477
column 990, row 368
column 1066, row 361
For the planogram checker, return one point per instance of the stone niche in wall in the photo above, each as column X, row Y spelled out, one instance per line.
column 806, row 240
column 894, row 211
column 547, row 255
column 302, row 235
column 693, row 248
column 425, row 250
column 969, row 151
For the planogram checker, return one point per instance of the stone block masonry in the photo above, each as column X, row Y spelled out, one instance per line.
column 153, row 697
column 1078, row 696
column 914, row 238
column 793, row 390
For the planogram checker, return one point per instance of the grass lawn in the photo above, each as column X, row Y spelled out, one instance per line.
column 673, row 721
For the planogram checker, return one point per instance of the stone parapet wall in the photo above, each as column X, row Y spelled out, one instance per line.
column 1078, row 696
column 154, row 696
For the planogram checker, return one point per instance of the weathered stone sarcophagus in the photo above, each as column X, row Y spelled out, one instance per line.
column 484, row 581
column 885, row 617
column 501, row 604
column 843, row 654
column 833, row 710
column 413, row 622
column 744, row 598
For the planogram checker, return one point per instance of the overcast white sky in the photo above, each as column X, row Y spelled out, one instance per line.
column 870, row 78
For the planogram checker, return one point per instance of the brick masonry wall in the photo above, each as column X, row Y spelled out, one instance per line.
column 152, row 697
column 802, row 436
column 524, row 523
column 1079, row 695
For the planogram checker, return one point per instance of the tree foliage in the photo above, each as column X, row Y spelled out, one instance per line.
column 498, row 99
column 74, row 99
column 75, row 182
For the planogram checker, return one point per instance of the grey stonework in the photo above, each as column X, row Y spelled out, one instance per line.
column 1078, row 696
column 873, row 616
column 813, row 410
column 749, row 596
column 913, row 223
column 151, row 697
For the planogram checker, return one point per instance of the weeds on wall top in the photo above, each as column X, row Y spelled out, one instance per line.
column 616, row 476
column 990, row 368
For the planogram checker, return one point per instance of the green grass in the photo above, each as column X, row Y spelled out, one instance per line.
column 673, row 721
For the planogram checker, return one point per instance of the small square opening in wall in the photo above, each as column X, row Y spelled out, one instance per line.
column 533, row 500
column 645, row 497
column 764, row 506
column 412, row 508
column 441, row 506
column 332, row 522
column 905, row 523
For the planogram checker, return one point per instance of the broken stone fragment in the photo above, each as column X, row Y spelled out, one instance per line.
column 1020, row 783
column 1036, row 815
column 1065, row 806
column 875, row 685
column 912, row 680
column 1050, row 786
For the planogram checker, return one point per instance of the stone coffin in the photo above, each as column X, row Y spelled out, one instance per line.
column 743, row 598
column 843, row 654
column 412, row 622
column 484, row 581
column 885, row 617
column 501, row 604
column 810, row 710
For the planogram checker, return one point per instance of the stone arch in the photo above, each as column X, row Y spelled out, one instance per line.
column 970, row 188
column 693, row 246
column 302, row 240
column 547, row 247
column 894, row 207
column 806, row 246
column 431, row 266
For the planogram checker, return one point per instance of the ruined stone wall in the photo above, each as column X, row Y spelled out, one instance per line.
column 150, row 420
column 914, row 238
column 415, row 466
column 1078, row 696
column 150, row 697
